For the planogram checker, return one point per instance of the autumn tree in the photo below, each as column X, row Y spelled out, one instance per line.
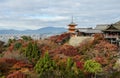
column 98, row 37
column 67, row 50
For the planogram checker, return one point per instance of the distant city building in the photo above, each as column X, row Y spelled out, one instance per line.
column 6, row 37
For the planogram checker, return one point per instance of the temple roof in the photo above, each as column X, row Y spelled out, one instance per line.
column 101, row 26
column 117, row 25
column 118, row 22
column 106, row 26
column 89, row 30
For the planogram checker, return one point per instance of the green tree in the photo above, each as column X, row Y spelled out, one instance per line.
column 1, row 46
column 35, row 52
column 92, row 66
column 69, row 64
column 32, row 52
column 71, row 70
column 17, row 45
column 68, row 71
column 28, row 51
column 26, row 38
column 45, row 66
column 1, row 75
column 10, row 41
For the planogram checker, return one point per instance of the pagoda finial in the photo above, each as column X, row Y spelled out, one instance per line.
column 72, row 18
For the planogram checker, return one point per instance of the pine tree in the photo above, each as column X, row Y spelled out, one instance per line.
column 28, row 51
column 71, row 70
column 32, row 52
column 35, row 52
column 45, row 65
column 17, row 46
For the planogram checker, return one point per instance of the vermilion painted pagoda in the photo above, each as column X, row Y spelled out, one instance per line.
column 72, row 27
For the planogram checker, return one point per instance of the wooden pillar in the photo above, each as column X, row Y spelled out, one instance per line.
column 111, row 41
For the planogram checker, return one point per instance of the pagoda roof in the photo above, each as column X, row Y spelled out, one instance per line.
column 72, row 23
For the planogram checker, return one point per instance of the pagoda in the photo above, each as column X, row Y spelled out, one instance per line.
column 72, row 28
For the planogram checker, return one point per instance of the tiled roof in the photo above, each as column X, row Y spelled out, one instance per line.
column 87, row 30
column 117, row 25
column 72, row 23
column 101, row 26
column 105, row 26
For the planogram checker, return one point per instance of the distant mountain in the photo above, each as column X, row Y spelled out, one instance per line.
column 45, row 30
column 52, row 30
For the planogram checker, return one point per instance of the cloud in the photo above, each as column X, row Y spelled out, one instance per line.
column 48, row 18
column 34, row 14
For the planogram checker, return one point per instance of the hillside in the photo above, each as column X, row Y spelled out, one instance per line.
column 55, row 58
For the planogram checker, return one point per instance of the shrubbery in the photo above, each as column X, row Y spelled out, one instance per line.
column 61, row 60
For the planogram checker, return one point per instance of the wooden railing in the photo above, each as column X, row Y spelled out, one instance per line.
column 111, row 36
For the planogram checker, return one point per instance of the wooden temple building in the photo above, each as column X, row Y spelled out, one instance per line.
column 111, row 32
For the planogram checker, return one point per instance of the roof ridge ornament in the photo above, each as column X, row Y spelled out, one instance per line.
column 72, row 18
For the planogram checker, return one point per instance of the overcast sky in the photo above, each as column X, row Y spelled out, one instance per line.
column 34, row 14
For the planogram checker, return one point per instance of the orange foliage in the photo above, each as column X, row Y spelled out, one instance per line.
column 67, row 50
column 60, row 59
column 85, row 46
column 11, row 47
column 17, row 74
column 101, row 60
column 10, row 61
column 22, row 64
column 6, row 64
column 106, row 46
column 77, row 58
column 98, row 37
column 46, row 45
column 60, row 38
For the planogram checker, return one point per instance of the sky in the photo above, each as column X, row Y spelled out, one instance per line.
column 35, row 14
